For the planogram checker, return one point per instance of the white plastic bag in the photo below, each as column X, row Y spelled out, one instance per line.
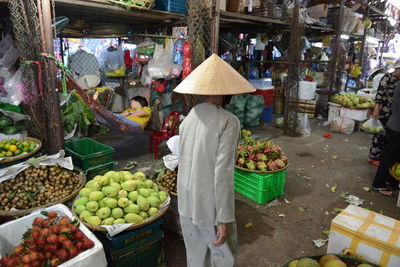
column 112, row 62
column 304, row 125
column 373, row 126
column 14, row 88
column 161, row 65
column 342, row 125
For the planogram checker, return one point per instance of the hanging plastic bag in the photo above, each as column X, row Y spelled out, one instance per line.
column 304, row 125
column 342, row 125
column 146, row 79
column 14, row 88
column 161, row 66
column 373, row 126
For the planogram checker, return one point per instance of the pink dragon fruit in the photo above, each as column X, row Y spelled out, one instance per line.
column 251, row 157
column 262, row 166
column 241, row 162
column 272, row 166
column 250, row 148
column 261, row 157
column 284, row 158
column 251, row 165
column 280, row 164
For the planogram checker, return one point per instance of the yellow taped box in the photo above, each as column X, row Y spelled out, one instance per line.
column 367, row 234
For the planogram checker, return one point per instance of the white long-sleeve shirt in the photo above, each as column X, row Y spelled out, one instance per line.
column 209, row 137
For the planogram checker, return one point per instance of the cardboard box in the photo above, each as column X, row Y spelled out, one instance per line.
column 367, row 234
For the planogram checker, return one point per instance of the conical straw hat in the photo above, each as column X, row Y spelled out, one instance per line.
column 214, row 77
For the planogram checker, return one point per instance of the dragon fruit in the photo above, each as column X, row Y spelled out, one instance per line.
column 241, row 162
column 261, row 157
column 284, row 158
column 272, row 166
column 250, row 149
column 280, row 164
column 251, row 165
column 262, row 166
column 251, row 157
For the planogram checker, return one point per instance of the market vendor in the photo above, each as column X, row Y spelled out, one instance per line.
column 209, row 137
column 382, row 111
column 384, row 182
column 138, row 114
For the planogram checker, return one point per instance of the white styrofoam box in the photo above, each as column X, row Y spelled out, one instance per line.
column 334, row 111
column 354, row 114
column 367, row 234
column 11, row 235
column 307, row 90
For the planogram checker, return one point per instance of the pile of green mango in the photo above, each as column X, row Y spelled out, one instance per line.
column 118, row 198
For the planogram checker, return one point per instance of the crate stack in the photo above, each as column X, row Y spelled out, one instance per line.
column 90, row 157
column 139, row 247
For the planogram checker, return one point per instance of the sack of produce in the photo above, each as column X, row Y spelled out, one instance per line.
column 254, row 108
column 373, row 126
column 342, row 125
column 49, row 237
column 237, row 106
column 112, row 62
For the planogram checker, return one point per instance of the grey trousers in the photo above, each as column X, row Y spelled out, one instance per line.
column 200, row 251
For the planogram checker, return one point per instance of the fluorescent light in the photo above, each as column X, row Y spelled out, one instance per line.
column 344, row 37
column 372, row 39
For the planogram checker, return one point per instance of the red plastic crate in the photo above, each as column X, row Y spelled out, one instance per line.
column 268, row 96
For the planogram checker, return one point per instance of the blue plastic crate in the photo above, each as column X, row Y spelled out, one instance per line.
column 123, row 239
column 266, row 114
column 174, row 6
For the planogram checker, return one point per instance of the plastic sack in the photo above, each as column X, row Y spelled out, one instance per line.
column 304, row 125
column 9, row 58
column 161, row 66
column 342, row 125
column 373, row 126
column 14, row 88
column 146, row 47
column 254, row 108
column 5, row 44
column 112, row 62
column 146, row 78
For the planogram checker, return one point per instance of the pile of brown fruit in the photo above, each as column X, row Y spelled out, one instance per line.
column 168, row 181
column 35, row 187
column 50, row 242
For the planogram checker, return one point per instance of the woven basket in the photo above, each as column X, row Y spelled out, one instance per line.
column 247, row 170
column 28, row 211
column 164, row 189
column 142, row 4
column 349, row 260
column 25, row 155
column 161, row 212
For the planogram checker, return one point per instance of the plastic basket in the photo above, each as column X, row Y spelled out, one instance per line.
column 143, row 253
column 100, row 170
column 266, row 115
column 174, row 6
column 9, row 107
column 121, row 240
column 260, row 187
column 87, row 153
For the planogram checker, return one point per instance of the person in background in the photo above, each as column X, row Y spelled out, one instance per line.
column 383, row 181
column 209, row 137
column 382, row 111
column 139, row 112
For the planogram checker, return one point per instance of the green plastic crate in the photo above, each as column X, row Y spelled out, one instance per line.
column 100, row 170
column 88, row 154
column 143, row 253
column 260, row 187
column 9, row 107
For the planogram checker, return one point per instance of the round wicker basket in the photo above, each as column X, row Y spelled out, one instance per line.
column 66, row 199
column 25, row 155
column 349, row 260
column 140, row 4
column 149, row 220
column 247, row 170
column 164, row 189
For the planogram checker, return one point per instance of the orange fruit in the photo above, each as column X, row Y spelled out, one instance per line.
column 13, row 148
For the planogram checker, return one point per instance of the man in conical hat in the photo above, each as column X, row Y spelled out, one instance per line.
column 209, row 137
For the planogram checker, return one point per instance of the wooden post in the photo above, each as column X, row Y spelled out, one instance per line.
column 215, row 27
column 54, row 139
